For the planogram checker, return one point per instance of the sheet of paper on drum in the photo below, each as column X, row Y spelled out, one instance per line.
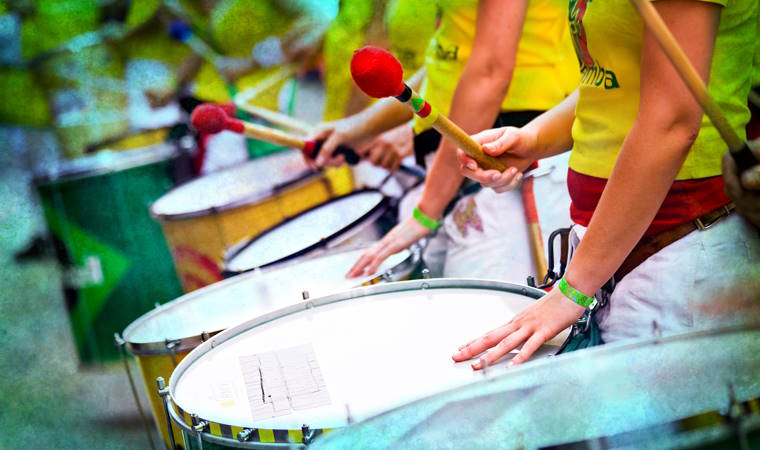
column 280, row 382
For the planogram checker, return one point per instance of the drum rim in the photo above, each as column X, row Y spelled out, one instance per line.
column 366, row 219
column 615, row 347
column 105, row 162
column 299, row 179
column 359, row 292
column 160, row 347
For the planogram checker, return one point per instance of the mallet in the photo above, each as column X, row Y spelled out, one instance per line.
column 209, row 118
column 378, row 73
column 739, row 150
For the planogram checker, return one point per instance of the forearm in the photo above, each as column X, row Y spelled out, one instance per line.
column 381, row 116
column 553, row 129
column 475, row 92
column 188, row 69
column 648, row 163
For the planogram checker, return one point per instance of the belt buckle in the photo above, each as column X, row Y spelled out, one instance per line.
column 705, row 226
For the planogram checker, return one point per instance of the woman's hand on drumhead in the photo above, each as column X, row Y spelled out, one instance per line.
column 513, row 146
column 390, row 148
column 400, row 237
column 531, row 328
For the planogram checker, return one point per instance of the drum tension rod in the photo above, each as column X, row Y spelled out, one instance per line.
column 245, row 435
column 120, row 342
column 308, row 434
column 163, row 391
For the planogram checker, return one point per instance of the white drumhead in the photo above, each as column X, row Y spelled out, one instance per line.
column 222, row 305
column 305, row 231
column 228, row 187
column 370, row 353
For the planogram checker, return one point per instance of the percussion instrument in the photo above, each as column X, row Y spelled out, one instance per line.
column 344, row 221
column 304, row 370
column 116, row 264
column 164, row 336
column 201, row 218
column 670, row 392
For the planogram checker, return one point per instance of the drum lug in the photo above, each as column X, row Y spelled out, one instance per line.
column 201, row 426
column 163, row 391
column 245, row 435
column 305, row 295
column 425, row 273
column 387, row 275
column 308, row 434
column 205, row 336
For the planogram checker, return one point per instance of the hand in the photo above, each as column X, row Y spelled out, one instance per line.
column 339, row 132
column 159, row 97
column 745, row 192
column 388, row 149
column 400, row 237
column 513, row 146
column 532, row 327
column 233, row 68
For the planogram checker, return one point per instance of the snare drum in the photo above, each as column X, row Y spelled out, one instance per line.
column 116, row 264
column 672, row 392
column 350, row 220
column 307, row 369
column 204, row 217
column 162, row 337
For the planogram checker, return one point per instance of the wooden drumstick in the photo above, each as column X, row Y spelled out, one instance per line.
column 534, row 228
column 379, row 74
column 210, row 119
column 739, row 150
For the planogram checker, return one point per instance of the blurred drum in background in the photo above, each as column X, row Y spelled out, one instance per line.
column 357, row 218
column 164, row 336
column 697, row 390
column 204, row 217
column 304, row 370
column 116, row 264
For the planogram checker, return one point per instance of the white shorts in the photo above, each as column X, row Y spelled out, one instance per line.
column 702, row 280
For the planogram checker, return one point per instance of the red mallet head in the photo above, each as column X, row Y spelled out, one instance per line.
column 208, row 118
column 377, row 72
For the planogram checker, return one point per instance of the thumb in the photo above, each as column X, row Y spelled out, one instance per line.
column 502, row 144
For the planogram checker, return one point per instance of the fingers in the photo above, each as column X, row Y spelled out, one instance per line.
column 498, row 181
column 483, row 343
column 358, row 267
column 751, row 179
column 390, row 160
column 504, row 346
column 487, row 136
column 732, row 187
column 381, row 256
column 534, row 342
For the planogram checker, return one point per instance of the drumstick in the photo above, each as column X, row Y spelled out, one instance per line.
column 379, row 74
column 272, row 117
column 534, row 228
column 182, row 32
column 209, row 118
column 739, row 150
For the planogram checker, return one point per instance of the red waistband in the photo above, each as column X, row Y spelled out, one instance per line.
column 686, row 200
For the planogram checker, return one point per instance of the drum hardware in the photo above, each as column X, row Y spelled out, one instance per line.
column 120, row 342
column 737, row 415
column 425, row 273
column 308, row 434
column 170, row 345
column 656, row 331
column 305, row 295
column 552, row 277
column 205, row 336
column 349, row 418
column 163, row 391
column 245, row 435
column 199, row 427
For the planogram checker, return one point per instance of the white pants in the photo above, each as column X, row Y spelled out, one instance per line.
column 486, row 236
column 699, row 281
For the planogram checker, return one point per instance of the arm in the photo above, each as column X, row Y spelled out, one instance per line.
column 482, row 87
column 654, row 150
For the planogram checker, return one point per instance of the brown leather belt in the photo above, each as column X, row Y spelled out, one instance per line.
column 650, row 245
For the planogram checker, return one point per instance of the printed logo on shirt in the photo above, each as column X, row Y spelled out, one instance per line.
column 446, row 54
column 466, row 216
column 592, row 73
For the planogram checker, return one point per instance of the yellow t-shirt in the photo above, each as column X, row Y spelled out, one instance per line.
column 544, row 71
column 608, row 38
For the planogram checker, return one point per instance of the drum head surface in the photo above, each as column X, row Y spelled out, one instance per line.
column 628, row 394
column 304, row 231
column 367, row 354
column 246, row 296
column 247, row 182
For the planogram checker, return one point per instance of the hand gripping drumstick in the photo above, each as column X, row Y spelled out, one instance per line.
column 739, row 150
column 379, row 74
column 210, row 119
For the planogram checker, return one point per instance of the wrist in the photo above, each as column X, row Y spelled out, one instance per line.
column 428, row 222
column 576, row 296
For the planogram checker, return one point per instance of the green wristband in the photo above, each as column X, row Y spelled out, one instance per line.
column 424, row 220
column 576, row 296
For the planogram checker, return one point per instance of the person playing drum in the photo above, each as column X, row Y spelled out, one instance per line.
column 644, row 163
column 485, row 58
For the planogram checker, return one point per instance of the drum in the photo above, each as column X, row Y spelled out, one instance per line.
column 164, row 336
column 116, row 264
column 345, row 221
column 204, row 217
column 304, row 370
column 672, row 392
